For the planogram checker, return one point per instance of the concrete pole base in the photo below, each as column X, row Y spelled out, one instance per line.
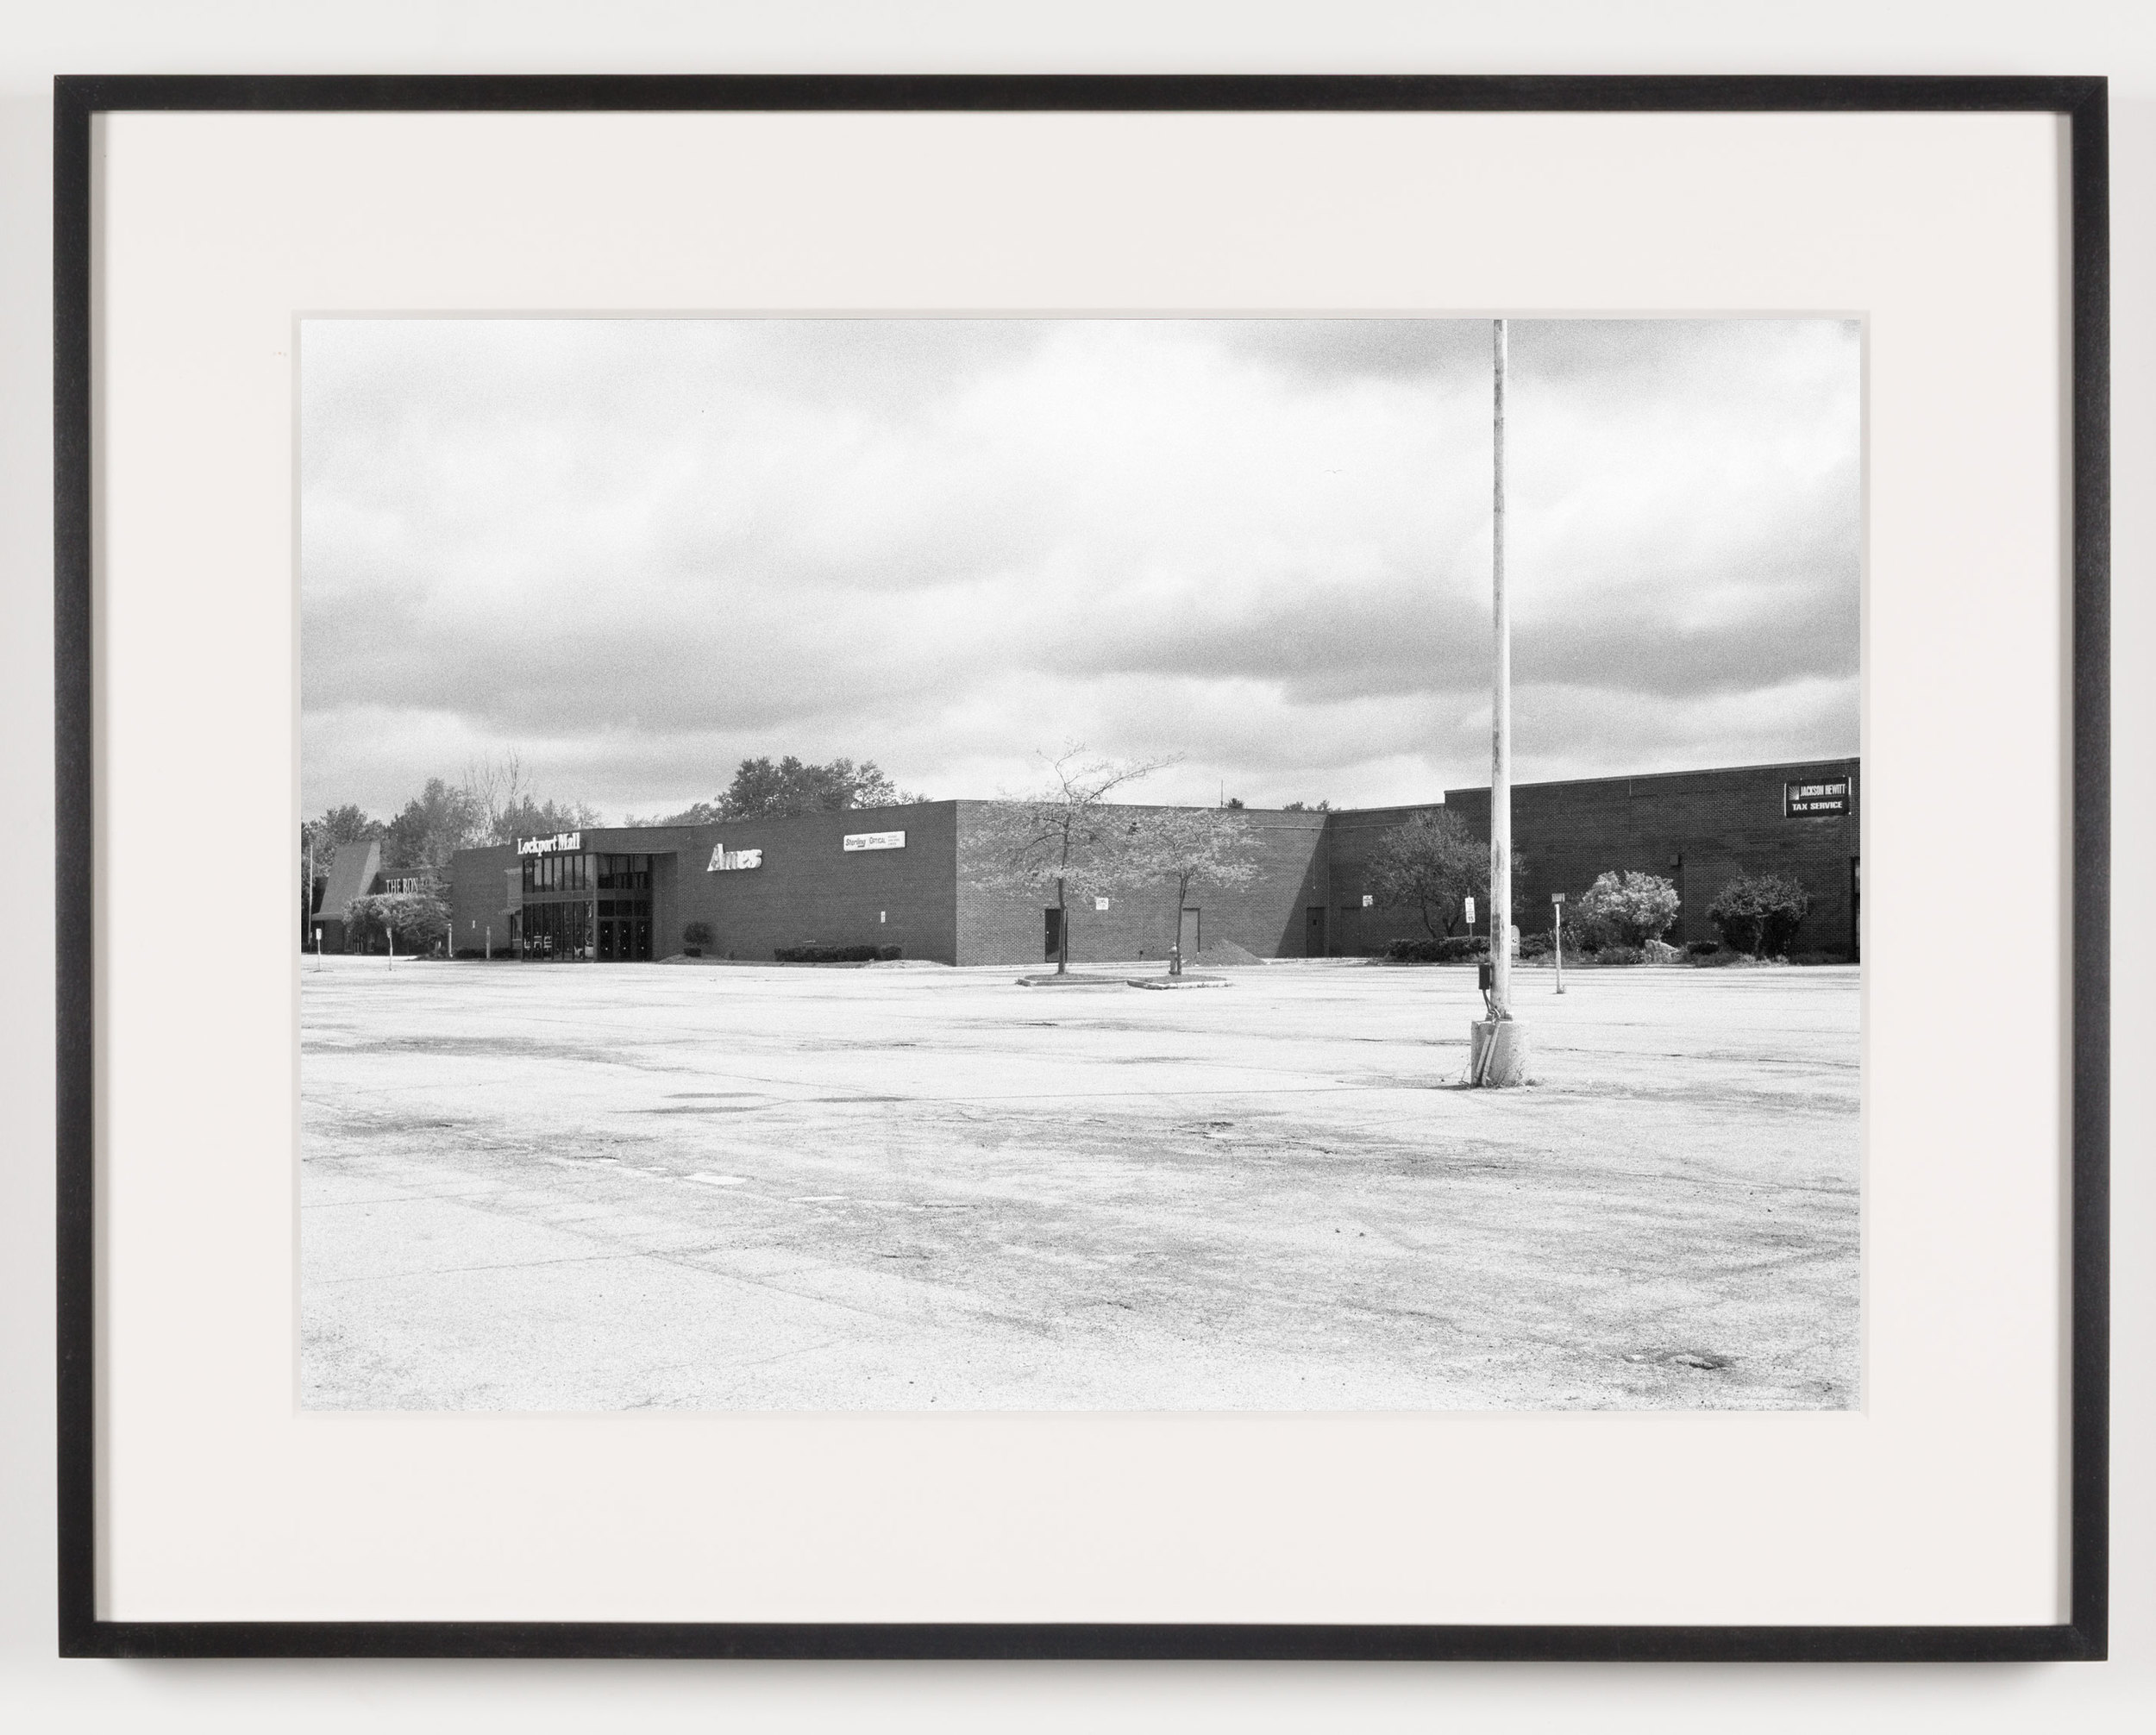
column 1497, row 1052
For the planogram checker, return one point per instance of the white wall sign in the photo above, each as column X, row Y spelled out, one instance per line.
column 1368, row 901
column 1100, row 903
column 1801, row 800
column 561, row 843
column 875, row 840
column 725, row 861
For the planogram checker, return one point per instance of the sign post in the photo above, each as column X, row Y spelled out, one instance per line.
column 1556, row 917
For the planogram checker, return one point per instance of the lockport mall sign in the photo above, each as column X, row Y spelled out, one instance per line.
column 1813, row 800
column 562, row 843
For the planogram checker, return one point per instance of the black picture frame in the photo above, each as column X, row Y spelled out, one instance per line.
column 2082, row 101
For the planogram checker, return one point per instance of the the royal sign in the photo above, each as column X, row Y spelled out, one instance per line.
column 875, row 840
column 562, row 843
column 725, row 861
column 1814, row 800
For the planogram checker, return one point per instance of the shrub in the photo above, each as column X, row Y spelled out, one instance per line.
column 1758, row 913
column 696, row 933
column 1821, row 957
column 1455, row 951
column 1586, row 932
column 1535, row 945
column 835, row 955
column 1621, row 955
column 419, row 920
column 1625, row 908
column 1704, row 948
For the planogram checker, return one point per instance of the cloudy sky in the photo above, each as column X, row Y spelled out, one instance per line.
column 637, row 552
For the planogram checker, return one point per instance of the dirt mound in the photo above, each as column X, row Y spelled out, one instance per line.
column 1226, row 954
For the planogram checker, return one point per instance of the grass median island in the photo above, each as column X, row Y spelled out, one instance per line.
column 606, row 1187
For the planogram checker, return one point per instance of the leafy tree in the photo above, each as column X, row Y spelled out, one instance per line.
column 1758, row 913
column 762, row 790
column 441, row 819
column 1430, row 864
column 1185, row 846
column 1307, row 807
column 1623, row 909
column 1067, row 834
column 420, row 921
column 319, row 840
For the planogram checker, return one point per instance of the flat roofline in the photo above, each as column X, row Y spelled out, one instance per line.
column 1848, row 759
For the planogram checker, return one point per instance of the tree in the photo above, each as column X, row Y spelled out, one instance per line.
column 1067, row 834
column 1432, row 864
column 1629, row 909
column 1758, row 913
column 319, row 840
column 441, row 819
column 1185, row 846
column 503, row 806
column 532, row 818
column 1307, row 807
column 419, row 921
column 762, row 790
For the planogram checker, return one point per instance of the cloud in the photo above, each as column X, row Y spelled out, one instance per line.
column 641, row 550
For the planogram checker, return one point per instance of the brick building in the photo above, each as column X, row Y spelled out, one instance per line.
column 896, row 876
column 1697, row 828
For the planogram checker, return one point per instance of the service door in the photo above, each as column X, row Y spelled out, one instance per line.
column 1313, row 931
column 1188, row 934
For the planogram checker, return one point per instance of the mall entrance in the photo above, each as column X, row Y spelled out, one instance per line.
column 586, row 908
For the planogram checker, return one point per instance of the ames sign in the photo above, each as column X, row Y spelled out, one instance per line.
column 1813, row 800
column 562, row 843
column 725, row 861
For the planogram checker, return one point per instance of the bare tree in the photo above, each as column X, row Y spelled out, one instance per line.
column 1185, row 846
column 497, row 788
column 1068, row 835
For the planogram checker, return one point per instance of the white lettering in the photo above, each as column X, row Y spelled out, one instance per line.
column 561, row 841
column 725, row 861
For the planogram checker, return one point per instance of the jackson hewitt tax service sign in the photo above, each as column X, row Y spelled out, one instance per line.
column 874, row 840
column 1811, row 800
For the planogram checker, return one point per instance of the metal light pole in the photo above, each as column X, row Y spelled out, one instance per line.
column 1501, row 706
column 1497, row 1048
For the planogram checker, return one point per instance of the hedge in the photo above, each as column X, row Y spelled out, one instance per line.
column 1457, row 949
column 835, row 955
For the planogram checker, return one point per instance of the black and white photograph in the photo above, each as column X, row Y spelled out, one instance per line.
column 1081, row 864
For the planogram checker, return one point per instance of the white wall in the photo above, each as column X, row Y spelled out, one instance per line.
column 38, row 39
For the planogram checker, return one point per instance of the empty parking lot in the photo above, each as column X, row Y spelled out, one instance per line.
column 575, row 1187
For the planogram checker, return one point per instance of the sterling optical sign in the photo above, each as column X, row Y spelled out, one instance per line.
column 562, row 843
column 725, row 861
column 874, row 840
